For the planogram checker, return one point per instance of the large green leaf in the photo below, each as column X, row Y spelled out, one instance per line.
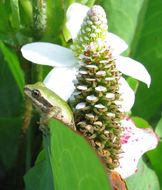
column 74, row 164
column 14, row 65
column 148, row 51
column 39, row 178
column 10, row 96
column 139, row 23
column 144, row 179
column 9, row 133
column 4, row 21
column 15, row 18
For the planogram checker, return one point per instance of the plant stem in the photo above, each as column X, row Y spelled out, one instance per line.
column 20, row 163
column 37, row 73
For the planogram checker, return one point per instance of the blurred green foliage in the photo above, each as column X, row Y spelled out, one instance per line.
column 138, row 22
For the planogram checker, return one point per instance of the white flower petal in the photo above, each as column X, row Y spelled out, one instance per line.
column 127, row 94
column 117, row 44
column 133, row 68
column 60, row 81
column 48, row 54
column 135, row 142
column 75, row 15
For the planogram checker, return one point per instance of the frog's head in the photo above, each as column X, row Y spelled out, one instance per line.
column 40, row 96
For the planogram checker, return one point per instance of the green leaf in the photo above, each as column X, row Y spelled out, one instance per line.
column 144, row 179
column 74, row 164
column 9, row 133
column 133, row 83
column 14, row 65
column 140, row 122
column 155, row 155
column 11, row 99
column 40, row 157
column 4, row 15
column 15, row 18
column 39, row 178
column 147, row 49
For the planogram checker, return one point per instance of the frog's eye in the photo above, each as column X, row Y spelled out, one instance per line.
column 36, row 93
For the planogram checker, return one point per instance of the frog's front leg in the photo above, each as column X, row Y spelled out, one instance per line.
column 55, row 113
column 45, row 130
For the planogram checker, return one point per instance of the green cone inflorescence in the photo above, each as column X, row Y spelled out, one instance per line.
column 97, row 97
column 94, row 29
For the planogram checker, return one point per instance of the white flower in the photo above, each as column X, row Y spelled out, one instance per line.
column 61, row 77
column 66, row 65
column 135, row 142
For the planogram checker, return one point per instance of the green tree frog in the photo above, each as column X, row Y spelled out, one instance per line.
column 49, row 104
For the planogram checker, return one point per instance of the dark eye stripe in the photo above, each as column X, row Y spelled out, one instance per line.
column 45, row 102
